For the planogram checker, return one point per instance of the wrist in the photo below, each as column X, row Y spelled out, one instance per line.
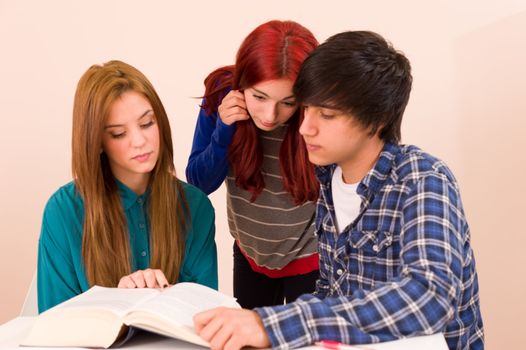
column 224, row 132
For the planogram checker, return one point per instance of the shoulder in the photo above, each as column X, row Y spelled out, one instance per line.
column 66, row 198
column 413, row 164
column 210, row 104
column 215, row 98
column 220, row 78
column 201, row 214
column 217, row 84
column 63, row 216
column 197, row 200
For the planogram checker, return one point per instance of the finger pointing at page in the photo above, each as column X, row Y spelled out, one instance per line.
column 149, row 278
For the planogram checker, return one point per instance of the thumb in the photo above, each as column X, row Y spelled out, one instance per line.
column 201, row 319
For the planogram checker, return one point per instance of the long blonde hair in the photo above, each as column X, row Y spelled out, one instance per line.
column 105, row 243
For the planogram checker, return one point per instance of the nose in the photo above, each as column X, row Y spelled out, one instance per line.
column 271, row 113
column 307, row 124
column 138, row 138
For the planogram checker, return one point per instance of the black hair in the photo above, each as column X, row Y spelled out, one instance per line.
column 360, row 73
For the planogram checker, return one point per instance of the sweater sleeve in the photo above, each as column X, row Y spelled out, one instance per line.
column 208, row 163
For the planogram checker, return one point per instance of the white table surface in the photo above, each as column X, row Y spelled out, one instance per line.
column 13, row 332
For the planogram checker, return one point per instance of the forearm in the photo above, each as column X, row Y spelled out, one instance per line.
column 391, row 311
column 207, row 170
column 208, row 163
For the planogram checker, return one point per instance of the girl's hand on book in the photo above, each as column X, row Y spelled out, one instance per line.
column 149, row 278
column 233, row 108
column 231, row 329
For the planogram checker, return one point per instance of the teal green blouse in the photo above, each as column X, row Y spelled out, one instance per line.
column 60, row 266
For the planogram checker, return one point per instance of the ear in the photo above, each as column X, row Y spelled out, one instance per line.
column 375, row 134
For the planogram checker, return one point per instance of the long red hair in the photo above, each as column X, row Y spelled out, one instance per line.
column 274, row 50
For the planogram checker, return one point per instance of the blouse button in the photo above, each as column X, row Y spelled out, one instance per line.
column 375, row 248
column 339, row 272
column 143, row 253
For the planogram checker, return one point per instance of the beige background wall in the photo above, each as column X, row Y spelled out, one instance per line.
column 468, row 107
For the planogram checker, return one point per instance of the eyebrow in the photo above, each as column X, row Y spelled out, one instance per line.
column 326, row 106
column 120, row 125
column 332, row 108
column 262, row 93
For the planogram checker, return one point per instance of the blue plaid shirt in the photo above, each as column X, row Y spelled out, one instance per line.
column 404, row 267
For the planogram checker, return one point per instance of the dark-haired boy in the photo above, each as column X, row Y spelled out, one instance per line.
column 394, row 243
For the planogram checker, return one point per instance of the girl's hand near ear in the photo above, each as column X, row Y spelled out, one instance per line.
column 149, row 278
column 233, row 108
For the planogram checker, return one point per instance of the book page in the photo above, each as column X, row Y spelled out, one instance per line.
column 91, row 319
column 117, row 300
column 179, row 303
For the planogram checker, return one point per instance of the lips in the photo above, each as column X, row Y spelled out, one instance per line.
column 267, row 125
column 142, row 157
column 312, row 148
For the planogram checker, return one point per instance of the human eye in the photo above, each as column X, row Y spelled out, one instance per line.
column 117, row 135
column 147, row 124
column 289, row 103
column 258, row 97
column 327, row 116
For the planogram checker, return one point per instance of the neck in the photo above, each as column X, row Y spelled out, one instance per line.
column 137, row 184
column 354, row 170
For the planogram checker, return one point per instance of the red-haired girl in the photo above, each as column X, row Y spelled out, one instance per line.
column 247, row 133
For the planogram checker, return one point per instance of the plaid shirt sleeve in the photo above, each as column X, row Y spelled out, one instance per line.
column 420, row 299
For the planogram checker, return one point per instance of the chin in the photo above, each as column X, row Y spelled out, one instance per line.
column 267, row 128
column 319, row 162
column 145, row 169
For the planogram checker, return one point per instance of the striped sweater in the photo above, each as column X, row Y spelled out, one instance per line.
column 272, row 230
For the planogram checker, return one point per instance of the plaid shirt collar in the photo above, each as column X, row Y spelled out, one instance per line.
column 375, row 178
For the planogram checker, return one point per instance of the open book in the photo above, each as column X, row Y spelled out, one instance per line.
column 100, row 316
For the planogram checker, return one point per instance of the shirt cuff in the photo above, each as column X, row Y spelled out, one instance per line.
column 285, row 325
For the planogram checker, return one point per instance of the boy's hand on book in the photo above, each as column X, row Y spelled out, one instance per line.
column 231, row 329
column 149, row 278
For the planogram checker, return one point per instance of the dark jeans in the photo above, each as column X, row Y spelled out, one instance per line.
column 253, row 289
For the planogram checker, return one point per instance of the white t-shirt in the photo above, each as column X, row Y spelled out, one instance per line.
column 346, row 201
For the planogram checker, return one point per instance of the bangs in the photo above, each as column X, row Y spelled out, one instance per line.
column 322, row 91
